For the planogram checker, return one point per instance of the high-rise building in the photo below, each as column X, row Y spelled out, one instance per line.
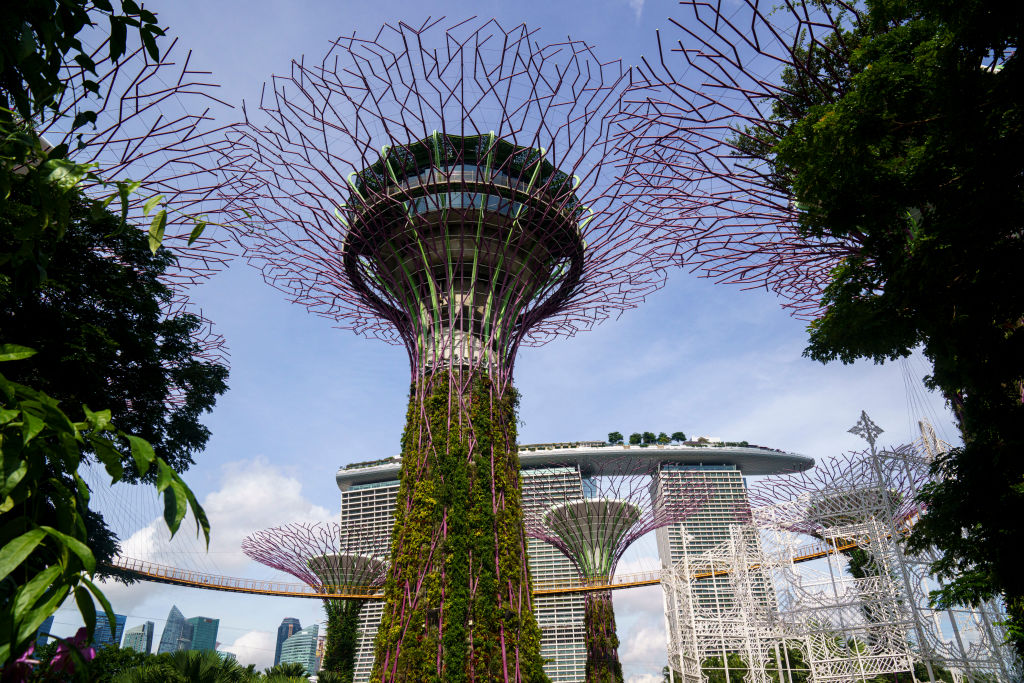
column 560, row 617
column 139, row 638
column 44, row 628
column 368, row 494
column 177, row 634
column 301, row 648
column 105, row 635
column 289, row 627
column 204, row 633
column 227, row 656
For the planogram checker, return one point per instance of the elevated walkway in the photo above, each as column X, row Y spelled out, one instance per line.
column 149, row 571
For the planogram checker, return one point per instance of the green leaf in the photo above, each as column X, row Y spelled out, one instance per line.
column 28, row 595
column 197, row 231
column 156, row 230
column 33, row 619
column 150, row 43
column 8, row 415
column 15, row 352
column 31, row 426
column 86, row 607
column 124, row 189
column 76, row 546
column 109, row 456
column 118, row 37
column 65, row 174
column 150, row 203
column 14, row 478
column 99, row 420
column 82, row 118
column 164, row 475
column 202, row 523
column 17, row 550
column 98, row 594
column 143, row 454
column 175, row 505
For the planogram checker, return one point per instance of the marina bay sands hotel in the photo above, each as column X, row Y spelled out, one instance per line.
column 368, row 492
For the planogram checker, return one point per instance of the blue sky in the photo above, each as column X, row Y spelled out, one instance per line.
column 306, row 398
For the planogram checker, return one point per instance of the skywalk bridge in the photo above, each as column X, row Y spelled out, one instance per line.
column 143, row 570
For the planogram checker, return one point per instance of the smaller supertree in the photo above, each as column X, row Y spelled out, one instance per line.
column 331, row 561
column 616, row 504
column 838, row 492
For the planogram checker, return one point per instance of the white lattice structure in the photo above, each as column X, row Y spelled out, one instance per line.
column 735, row 615
column 967, row 641
column 828, row 546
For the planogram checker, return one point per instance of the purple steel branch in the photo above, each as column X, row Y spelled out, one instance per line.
column 328, row 119
column 839, row 481
column 294, row 549
column 154, row 126
column 627, row 481
column 713, row 89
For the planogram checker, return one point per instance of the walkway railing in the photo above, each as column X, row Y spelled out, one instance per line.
column 149, row 571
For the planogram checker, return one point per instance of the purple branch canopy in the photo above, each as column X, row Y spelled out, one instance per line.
column 842, row 491
column 595, row 524
column 453, row 189
column 154, row 126
column 320, row 555
column 707, row 117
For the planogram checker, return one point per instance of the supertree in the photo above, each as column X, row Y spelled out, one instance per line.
column 330, row 560
column 617, row 503
column 712, row 107
column 454, row 191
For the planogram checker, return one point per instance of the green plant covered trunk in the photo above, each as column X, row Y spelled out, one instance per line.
column 458, row 604
column 602, row 641
column 342, row 631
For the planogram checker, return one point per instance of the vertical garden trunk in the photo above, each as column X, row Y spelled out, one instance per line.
column 342, row 631
column 458, row 603
column 602, row 641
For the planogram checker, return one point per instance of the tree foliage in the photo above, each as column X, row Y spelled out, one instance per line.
column 46, row 548
column 38, row 37
column 614, row 438
column 903, row 132
column 98, row 324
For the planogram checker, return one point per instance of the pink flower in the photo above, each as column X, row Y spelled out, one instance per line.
column 18, row 670
column 63, row 660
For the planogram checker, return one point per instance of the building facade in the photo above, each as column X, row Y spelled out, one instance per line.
column 107, row 634
column 177, row 633
column 204, row 633
column 368, row 494
column 301, row 648
column 44, row 628
column 139, row 638
column 289, row 627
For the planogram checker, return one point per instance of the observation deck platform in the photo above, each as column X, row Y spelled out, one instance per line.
column 750, row 460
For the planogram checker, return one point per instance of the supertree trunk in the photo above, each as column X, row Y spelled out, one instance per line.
column 602, row 640
column 458, row 595
column 342, row 632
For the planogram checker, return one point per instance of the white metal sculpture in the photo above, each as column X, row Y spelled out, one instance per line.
column 820, row 588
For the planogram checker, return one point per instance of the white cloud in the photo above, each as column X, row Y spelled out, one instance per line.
column 645, row 678
column 645, row 647
column 638, row 7
column 252, row 495
column 254, row 647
